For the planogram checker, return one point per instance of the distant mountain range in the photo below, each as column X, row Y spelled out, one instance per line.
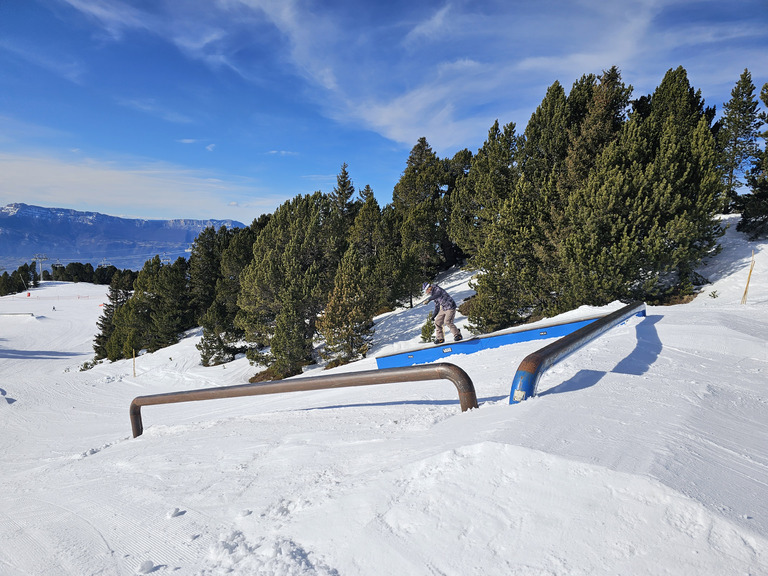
column 60, row 236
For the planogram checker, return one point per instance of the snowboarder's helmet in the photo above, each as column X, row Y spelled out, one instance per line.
column 425, row 286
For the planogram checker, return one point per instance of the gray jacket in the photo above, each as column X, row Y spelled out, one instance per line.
column 442, row 300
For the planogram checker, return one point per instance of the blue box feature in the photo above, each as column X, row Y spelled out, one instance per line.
column 515, row 335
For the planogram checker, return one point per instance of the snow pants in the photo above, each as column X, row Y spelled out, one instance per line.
column 445, row 317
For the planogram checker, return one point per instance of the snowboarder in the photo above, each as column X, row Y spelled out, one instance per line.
column 445, row 310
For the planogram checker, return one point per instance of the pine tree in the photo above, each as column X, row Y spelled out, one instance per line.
column 601, row 115
column 119, row 292
column 428, row 329
column 134, row 328
column 126, row 338
column 205, row 267
column 343, row 209
column 5, row 284
column 646, row 215
column 221, row 339
column 347, row 322
column 289, row 280
column 754, row 215
column 602, row 255
column 738, row 136
column 454, row 169
column 545, row 144
column 171, row 311
column 418, row 206
column 478, row 196
column 687, row 190
column 341, row 196
column 597, row 113
column 291, row 349
column 391, row 273
column 509, row 287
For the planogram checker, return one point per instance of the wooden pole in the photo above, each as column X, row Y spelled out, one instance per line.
column 744, row 298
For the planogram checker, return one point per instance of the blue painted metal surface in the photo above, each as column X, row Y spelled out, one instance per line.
column 428, row 354
column 528, row 373
column 484, row 342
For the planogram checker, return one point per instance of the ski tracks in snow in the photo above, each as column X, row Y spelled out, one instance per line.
column 84, row 530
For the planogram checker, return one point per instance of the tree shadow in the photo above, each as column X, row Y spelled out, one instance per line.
column 637, row 363
column 8, row 399
column 35, row 354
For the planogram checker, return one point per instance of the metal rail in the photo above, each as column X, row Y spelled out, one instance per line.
column 442, row 371
column 528, row 373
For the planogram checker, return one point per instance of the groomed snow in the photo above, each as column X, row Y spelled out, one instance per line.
column 645, row 452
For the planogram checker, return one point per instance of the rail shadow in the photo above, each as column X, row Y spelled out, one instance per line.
column 404, row 403
column 637, row 363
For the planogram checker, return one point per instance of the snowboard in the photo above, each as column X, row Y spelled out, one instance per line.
column 449, row 341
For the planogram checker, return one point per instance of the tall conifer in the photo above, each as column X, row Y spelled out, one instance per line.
column 418, row 203
column 509, row 286
column 738, row 136
column 221, row 339
column 287, row 283
column 479, row 194
column 119, row 292
column 347, row 322
column 754, row 215
column 205, row 267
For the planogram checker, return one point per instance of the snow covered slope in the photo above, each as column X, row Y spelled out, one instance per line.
column 646, row 452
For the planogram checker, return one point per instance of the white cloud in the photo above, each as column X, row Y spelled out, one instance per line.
column 114, row 16
column 434, row 27
column 457, row 68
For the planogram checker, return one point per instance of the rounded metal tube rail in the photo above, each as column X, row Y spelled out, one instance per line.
column 441, row 371
column 528, row 373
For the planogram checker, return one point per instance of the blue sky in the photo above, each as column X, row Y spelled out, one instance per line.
column 226, row 108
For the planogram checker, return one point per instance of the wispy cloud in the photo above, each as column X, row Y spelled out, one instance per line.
column 59, row 63
column 441, row 69
column 13, row 131
column 150, row 106
column 113, row 16
column 434, row 27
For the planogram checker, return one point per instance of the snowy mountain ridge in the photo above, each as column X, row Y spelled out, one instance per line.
column 67, row 235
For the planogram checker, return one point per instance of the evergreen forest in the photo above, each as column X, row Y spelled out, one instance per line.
column 603, row 196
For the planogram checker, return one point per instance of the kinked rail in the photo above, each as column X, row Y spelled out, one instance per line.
column 441, row 371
